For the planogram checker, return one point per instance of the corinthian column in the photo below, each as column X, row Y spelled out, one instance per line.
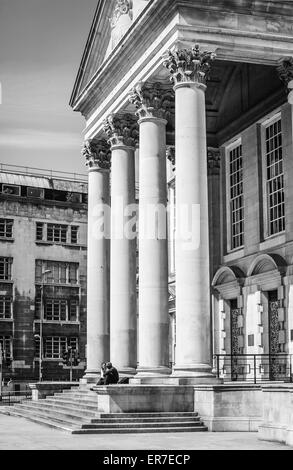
column 122, row 131
column 97, row 154
column 189, row 70
column 152, row 101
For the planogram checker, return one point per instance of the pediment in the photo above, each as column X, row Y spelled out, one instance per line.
column 96, row 47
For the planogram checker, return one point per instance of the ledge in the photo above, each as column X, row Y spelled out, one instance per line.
column 41, row 390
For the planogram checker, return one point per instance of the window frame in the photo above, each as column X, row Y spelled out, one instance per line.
column 6, row 222
column 267, row 122
column 229, row 147
column 6, row 264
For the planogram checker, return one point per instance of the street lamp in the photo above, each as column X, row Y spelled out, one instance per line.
column 40, row 336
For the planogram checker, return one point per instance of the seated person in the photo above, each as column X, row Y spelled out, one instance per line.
column 111, row 375
column 101, row 381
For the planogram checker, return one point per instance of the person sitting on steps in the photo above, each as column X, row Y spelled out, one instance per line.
column 111, row 375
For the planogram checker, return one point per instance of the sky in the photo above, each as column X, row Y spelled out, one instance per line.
column 41, row 46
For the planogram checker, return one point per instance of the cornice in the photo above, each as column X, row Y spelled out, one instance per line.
column 156, row 17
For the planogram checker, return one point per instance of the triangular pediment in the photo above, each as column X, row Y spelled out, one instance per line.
column 96, row 47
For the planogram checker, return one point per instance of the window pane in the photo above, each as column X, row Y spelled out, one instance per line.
column 275, row 178
column 236, row 197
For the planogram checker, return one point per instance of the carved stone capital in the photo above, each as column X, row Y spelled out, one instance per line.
column 189, row 65
column 170, row 153
column 121, row 129
column 214, row 161
column 123, row 7
column 285, row 70
column 153, row 100
column 97, row 154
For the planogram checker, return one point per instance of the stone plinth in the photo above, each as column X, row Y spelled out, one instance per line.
column 229, row 407
column 151, row 398
column 42, row 390
column 277, row 423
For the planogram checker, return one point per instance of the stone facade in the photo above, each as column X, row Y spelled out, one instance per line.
column 43, row 227
column 211, row 87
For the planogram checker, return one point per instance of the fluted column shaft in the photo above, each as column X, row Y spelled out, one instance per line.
column 153, row 252
column 97, row 155
column 123, row 304
column 193, row 332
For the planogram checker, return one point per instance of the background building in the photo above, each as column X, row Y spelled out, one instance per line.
column 43, row 227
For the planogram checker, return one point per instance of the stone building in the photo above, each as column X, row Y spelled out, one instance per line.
column 198, row 95
column 43, row 225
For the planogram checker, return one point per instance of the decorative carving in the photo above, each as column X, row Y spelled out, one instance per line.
column 121, row 129
column 214, row 160
column 189, row 65
column 123, row 7
column 97, row 154
column 152, row 100
column 170, row 153
column 285, row 70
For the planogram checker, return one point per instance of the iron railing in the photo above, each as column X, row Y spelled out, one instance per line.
column 254, row 368
column 39, row 172
column 10, row 398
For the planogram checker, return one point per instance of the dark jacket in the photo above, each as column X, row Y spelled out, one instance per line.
column 111, row 376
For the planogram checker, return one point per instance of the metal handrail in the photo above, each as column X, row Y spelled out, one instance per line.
column 254, row 367
column 30, row 171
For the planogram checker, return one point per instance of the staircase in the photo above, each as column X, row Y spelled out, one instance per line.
column 75, row 411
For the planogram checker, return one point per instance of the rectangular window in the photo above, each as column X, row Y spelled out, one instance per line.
column 73, row 310
column 74, row 234
column 6, row 346
column 54, row 346
column 57, row 233
column 39, row 231
column 55, row 310
column 274, row 178
column 56, row 272
column 11, row 189
column 5, row 307
column 250, row 340
column 5, row 269
column 236, row 200
column 35, row 192
column 6, row 226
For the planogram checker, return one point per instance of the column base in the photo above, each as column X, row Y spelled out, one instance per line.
column 151, row 375
column 126, row 371
column 194, row 374
column 90, row 377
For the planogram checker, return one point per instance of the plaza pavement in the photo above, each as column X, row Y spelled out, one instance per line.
column 21, row 434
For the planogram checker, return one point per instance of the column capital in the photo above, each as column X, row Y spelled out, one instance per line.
column 97, row 154
column 152, row 100
column 189, row 65
column 121, row 129
column 285, row 71
column 214, row 161
column 123, row 7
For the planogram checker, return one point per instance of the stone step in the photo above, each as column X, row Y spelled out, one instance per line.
column 154, row 419
column 54, row 413
column 78, row 402
column 68, row 427
column 71, row 405
column 73, row 410
column 77, row 396
column 148, row 414
column 151, row 424
column 140, row 430
column 109, row 427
